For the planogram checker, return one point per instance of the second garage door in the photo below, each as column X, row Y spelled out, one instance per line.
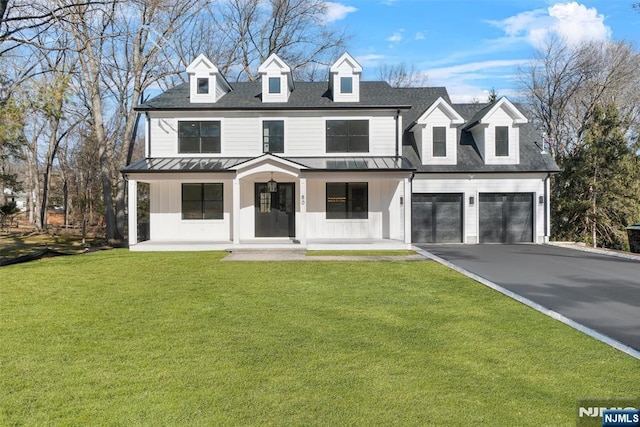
column 506, row 217
column 436, row 218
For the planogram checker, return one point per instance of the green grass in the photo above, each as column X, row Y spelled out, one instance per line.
column 362, row 253
column 121, row 338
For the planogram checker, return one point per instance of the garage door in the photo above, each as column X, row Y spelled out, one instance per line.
column 506, row 218
column 436, row 218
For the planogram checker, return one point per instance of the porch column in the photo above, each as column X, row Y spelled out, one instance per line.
column 407, row 210
column 132, row 209
column 303, row 212
column 547, row 209
column 235, row 214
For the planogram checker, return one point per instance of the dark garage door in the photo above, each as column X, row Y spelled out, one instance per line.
column 506, row 218
column 436, row 218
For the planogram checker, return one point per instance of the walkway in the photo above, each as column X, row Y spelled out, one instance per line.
column 300, row 255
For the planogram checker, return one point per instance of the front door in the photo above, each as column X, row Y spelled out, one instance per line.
column 275, row 212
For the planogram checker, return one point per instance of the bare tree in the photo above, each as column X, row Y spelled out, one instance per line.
column 563, row 85
column 251, row 30
column 400, row 75
column 123, row 48
column 586, row 100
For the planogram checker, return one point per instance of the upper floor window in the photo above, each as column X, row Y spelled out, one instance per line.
column 347, row 200
column 502, row 141
column 346, row 84
column 199, row 137
column 273, row 136
column 203, row 85
column 439, row 141
column 347, row 136
column 274, row 84
column 202, row 201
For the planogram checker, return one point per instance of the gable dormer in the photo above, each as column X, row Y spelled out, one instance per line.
column 436, row 133
column 496, row 130
column 277, row 82
column 206, row 83
column 344, row 79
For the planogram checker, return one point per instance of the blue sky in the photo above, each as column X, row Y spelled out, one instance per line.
column 471, row 46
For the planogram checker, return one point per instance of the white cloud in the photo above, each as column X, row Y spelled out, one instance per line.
column 369, row 60
column 420, row 36
column 472, row 81
column 572, row 21
column 395, row 38
column 337, row 11
column 457, row 71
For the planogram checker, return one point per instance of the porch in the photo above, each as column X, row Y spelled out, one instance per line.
column 283, row 244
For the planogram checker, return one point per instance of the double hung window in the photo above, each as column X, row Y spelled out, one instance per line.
column 199, row 137
column 273, row 136
column 439, row 141
column 347, row 200
column 202, row 201
column 502, row 141
column 347, row 136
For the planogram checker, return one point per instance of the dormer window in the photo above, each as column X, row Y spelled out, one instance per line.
column 439, row 141
column 502, row 141
column 344, row 79
column 346, row 84
column 203, row 86
column 274, row 84
column 495, row 128
column 276, row 79
column 436, row 133
column 206, row 83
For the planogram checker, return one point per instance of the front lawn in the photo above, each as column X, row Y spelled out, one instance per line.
column 122, row 338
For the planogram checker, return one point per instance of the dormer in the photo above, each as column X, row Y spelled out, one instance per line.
column 277, row 82
column 344, row 79
column 496, row 130
column 206, row 83
column 436, row 133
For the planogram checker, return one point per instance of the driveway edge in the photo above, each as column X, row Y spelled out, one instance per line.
column 553, row 314
column 600, row 251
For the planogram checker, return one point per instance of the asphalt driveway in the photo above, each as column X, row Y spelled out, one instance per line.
column 599, row 291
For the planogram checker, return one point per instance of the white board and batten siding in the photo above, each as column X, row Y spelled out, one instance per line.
column 471, row 185
column 386, row 213
column 241, row 132
column 166, row 214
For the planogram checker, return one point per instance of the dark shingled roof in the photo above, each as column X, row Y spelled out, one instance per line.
column 307, row 95
column 469, row 159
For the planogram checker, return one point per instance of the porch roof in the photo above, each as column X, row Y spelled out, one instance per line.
column 231, row 164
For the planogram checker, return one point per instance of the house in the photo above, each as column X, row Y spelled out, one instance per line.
column 10, row 196
column 345, row 162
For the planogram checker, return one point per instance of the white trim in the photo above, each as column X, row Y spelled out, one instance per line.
column 445, row 107
column 515, row 114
